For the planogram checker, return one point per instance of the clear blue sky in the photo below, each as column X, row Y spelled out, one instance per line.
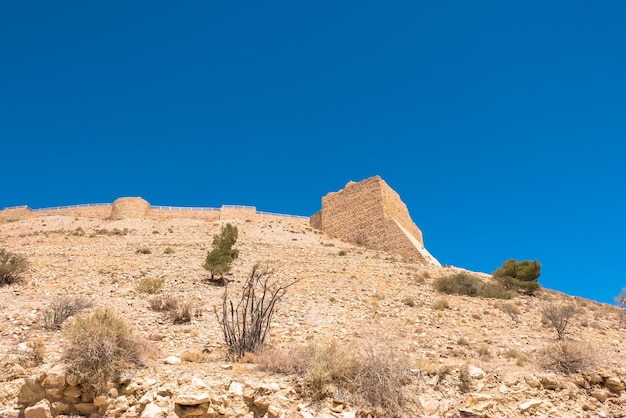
column 501, row 124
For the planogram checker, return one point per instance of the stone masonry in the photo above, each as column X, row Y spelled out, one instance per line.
column 371, row 214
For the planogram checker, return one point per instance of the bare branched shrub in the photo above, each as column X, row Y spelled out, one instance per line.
column 559, row 316
column 101, row 346
column 568, row 357
column 12, row 266
column 246, row 325
column 61, row 308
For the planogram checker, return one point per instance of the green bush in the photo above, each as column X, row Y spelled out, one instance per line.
column 101, row 346
column 520, row 276
column 468, row 285
column 220, row 258
column 12, row 266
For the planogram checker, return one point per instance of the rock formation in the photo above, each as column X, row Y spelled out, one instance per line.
column 372, row 214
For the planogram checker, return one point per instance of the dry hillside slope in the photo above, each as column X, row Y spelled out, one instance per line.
column 464, row 356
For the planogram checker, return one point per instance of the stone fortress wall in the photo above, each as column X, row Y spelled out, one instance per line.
column 372, row 214
column 136, row 207
column 367, row 213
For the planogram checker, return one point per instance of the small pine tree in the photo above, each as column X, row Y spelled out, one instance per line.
column 220, row 258
column 520, row 276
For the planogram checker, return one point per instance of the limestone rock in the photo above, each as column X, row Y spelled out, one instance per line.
column 41, row 409
column 195, row 393
column 531, row 403
column 476, row 372
column 153, row 410
column 532, row 381
column 614, row 384
column 30, row 392
column 55, row 377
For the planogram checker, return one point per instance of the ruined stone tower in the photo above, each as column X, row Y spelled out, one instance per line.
column 370, row 213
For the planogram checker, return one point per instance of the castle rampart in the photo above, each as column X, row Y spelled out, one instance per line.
column 372, row 214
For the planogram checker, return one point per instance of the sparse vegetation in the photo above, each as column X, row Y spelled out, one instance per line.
column 568, row 357
column 61, row 308
column 469, row 285
column 168, row 250
column 441, row 304
column 520, row 276
column 101, row 346
column 220, row 258
column 246, row 325
column 12, row 267
column 559, row 316
column 177, row 311
column 150, row 285
column 409, row 301
column 510, row 309
column 512, row 353
column 143, row 250
column 370, row 376
column 342, row 253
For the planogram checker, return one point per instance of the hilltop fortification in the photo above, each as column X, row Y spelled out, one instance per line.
column 371, row 213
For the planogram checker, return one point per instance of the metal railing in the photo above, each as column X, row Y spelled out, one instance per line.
column 84, row 205
column 182, row 208
column 282, row 214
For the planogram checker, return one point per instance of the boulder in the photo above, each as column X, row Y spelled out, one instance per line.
column 55, row 377
column 30, row 392
column 41, row 409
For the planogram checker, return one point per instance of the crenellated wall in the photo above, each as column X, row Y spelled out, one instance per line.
column 372, row 214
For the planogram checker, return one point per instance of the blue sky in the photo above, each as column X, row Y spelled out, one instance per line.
column 500, row 124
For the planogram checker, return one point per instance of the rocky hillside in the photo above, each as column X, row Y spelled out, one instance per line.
column 459, row 355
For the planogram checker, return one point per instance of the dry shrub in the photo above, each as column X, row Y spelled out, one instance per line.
column 465, row 380
column 484, row 352
column 246, row 324
column 441, row 304
column 12, row 266
column 179, row 312
column 510, row 309
column 61, row 308
column 409, row 301
column 184, row 312
column 101, row 346
column 512, row 353
column 150, row 285
column 371, row 376
column 568, row 357
column 559, row 316
column 163, row 303
column 195, row 357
